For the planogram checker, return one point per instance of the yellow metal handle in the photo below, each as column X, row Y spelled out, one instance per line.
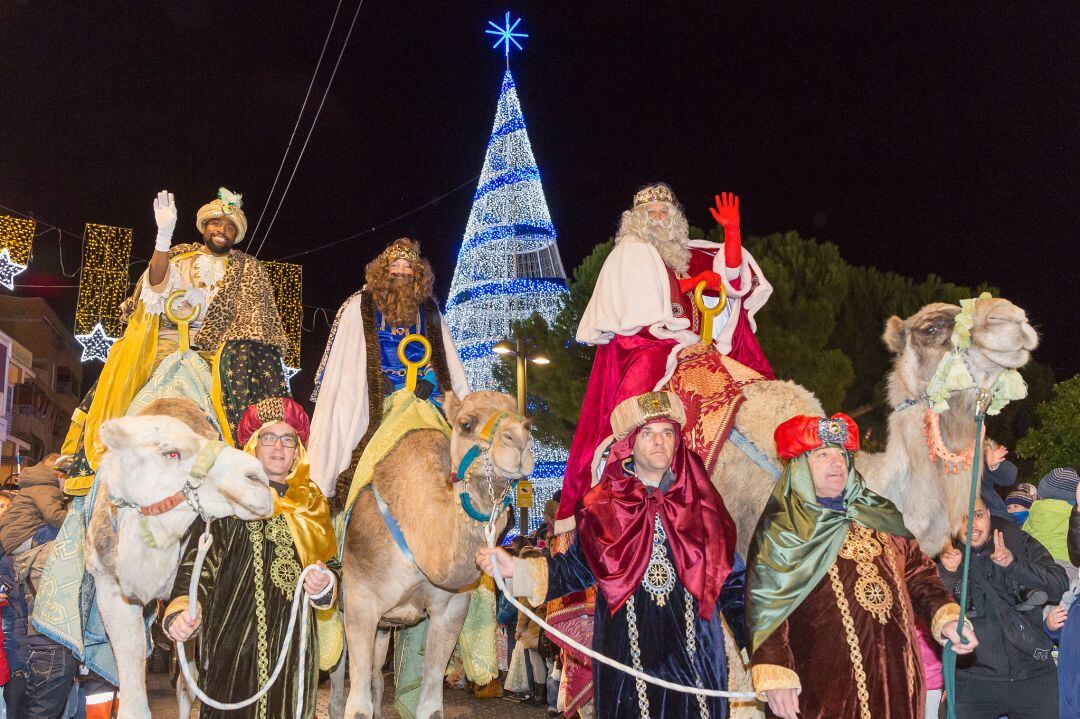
column 412, row 369
column 183, row 324
column 707, row 313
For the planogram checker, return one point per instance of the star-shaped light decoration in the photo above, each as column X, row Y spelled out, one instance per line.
column 506, row 34
column 96, row 344
column 8, row 269
column 290, row 372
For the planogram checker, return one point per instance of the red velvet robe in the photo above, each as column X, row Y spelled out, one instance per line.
column 630, row 365
column 812, row 641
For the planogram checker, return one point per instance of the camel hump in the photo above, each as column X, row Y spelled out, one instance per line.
column 184, row 410
column 421, row 456
column 769, row 404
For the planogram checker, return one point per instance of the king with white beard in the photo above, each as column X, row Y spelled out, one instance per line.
column 642, row 313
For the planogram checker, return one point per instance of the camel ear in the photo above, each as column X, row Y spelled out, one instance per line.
column 451, row 405
column 114, row 434
column 894, row 334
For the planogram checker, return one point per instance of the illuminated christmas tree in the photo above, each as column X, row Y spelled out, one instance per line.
column 509, row 265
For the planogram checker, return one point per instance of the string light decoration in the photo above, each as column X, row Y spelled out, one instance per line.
column 287, row 279
column 16, row 240
column 509, row 264
column 103, row 285
column 96, row 344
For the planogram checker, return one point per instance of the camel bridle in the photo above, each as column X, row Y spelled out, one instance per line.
column 481, row 450
column 204, row 462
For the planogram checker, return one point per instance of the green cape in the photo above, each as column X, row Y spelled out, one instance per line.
column 797, row 540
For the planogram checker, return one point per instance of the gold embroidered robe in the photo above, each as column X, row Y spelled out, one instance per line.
column 851, row 644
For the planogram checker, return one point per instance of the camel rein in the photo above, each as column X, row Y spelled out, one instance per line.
column 299, row 602
column 491, row 532
column 948, row 659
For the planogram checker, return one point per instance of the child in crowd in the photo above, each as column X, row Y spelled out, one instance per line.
column 1018, row 502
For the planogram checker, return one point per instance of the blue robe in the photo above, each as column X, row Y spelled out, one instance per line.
column 393, row 368
column 662, row 640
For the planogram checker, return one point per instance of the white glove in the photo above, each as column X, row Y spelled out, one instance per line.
column 165, row 214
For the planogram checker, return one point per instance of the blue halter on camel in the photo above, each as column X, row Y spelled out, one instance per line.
column 470, row 457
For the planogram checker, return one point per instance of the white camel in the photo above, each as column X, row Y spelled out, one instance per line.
column 155, row 478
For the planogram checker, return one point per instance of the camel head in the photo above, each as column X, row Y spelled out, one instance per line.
column 489, row 421
column 1001, row 339
column 150, row 458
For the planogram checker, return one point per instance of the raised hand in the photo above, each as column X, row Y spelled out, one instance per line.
column 165, row 215
column 726, row 212
column 951, row 558
column 1002, row 555
column 995, row 455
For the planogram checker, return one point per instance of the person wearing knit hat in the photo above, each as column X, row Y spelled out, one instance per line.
column 225, row 302
column 834, row 584
column 252, row 569
column 1048, row 518
column 655, row 539
column 1018, row 502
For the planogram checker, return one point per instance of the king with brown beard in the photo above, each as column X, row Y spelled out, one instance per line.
column 361, row 366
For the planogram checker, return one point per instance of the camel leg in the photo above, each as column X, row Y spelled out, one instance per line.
column 361, row 623
column 124, row 625
column 382, row 643
column 443, row 630
column 337, row 687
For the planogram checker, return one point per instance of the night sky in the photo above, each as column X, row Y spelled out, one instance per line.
column 918, row 138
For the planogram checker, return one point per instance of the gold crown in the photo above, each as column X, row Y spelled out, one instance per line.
column 654, row 193
column 401, row 251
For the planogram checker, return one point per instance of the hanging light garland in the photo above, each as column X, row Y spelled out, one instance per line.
column 287, row 279
column 103, row 286
column 16, row 241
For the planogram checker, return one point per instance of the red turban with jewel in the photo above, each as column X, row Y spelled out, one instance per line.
column 805, row 433
column 273, row 409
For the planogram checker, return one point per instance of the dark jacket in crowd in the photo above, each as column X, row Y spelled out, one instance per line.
column 40, row 502
column 15, row 618
column 1003, row 476
column 1074, row 537
column 1032, row 569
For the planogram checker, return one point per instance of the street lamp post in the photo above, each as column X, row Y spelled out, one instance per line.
column 524, row 351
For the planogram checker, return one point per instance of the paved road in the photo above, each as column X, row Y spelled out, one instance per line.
column 458, row 704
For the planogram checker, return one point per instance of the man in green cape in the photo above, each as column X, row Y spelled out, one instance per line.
column 834, row 585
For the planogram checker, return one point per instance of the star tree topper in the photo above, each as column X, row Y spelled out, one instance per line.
column 506, row 34
column 95, row 345
column 8, row 269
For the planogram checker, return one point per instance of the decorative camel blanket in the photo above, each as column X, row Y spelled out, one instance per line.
column 710, row 386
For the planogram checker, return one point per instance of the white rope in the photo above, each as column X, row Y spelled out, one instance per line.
column 490, row 532
column 298, row 597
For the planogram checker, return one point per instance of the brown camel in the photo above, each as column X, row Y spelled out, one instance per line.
column 931, row 499
column 382, row 588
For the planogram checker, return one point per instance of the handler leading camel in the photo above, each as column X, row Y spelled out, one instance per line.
column 834, row 584
column 654, row 535
column 251, row 572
